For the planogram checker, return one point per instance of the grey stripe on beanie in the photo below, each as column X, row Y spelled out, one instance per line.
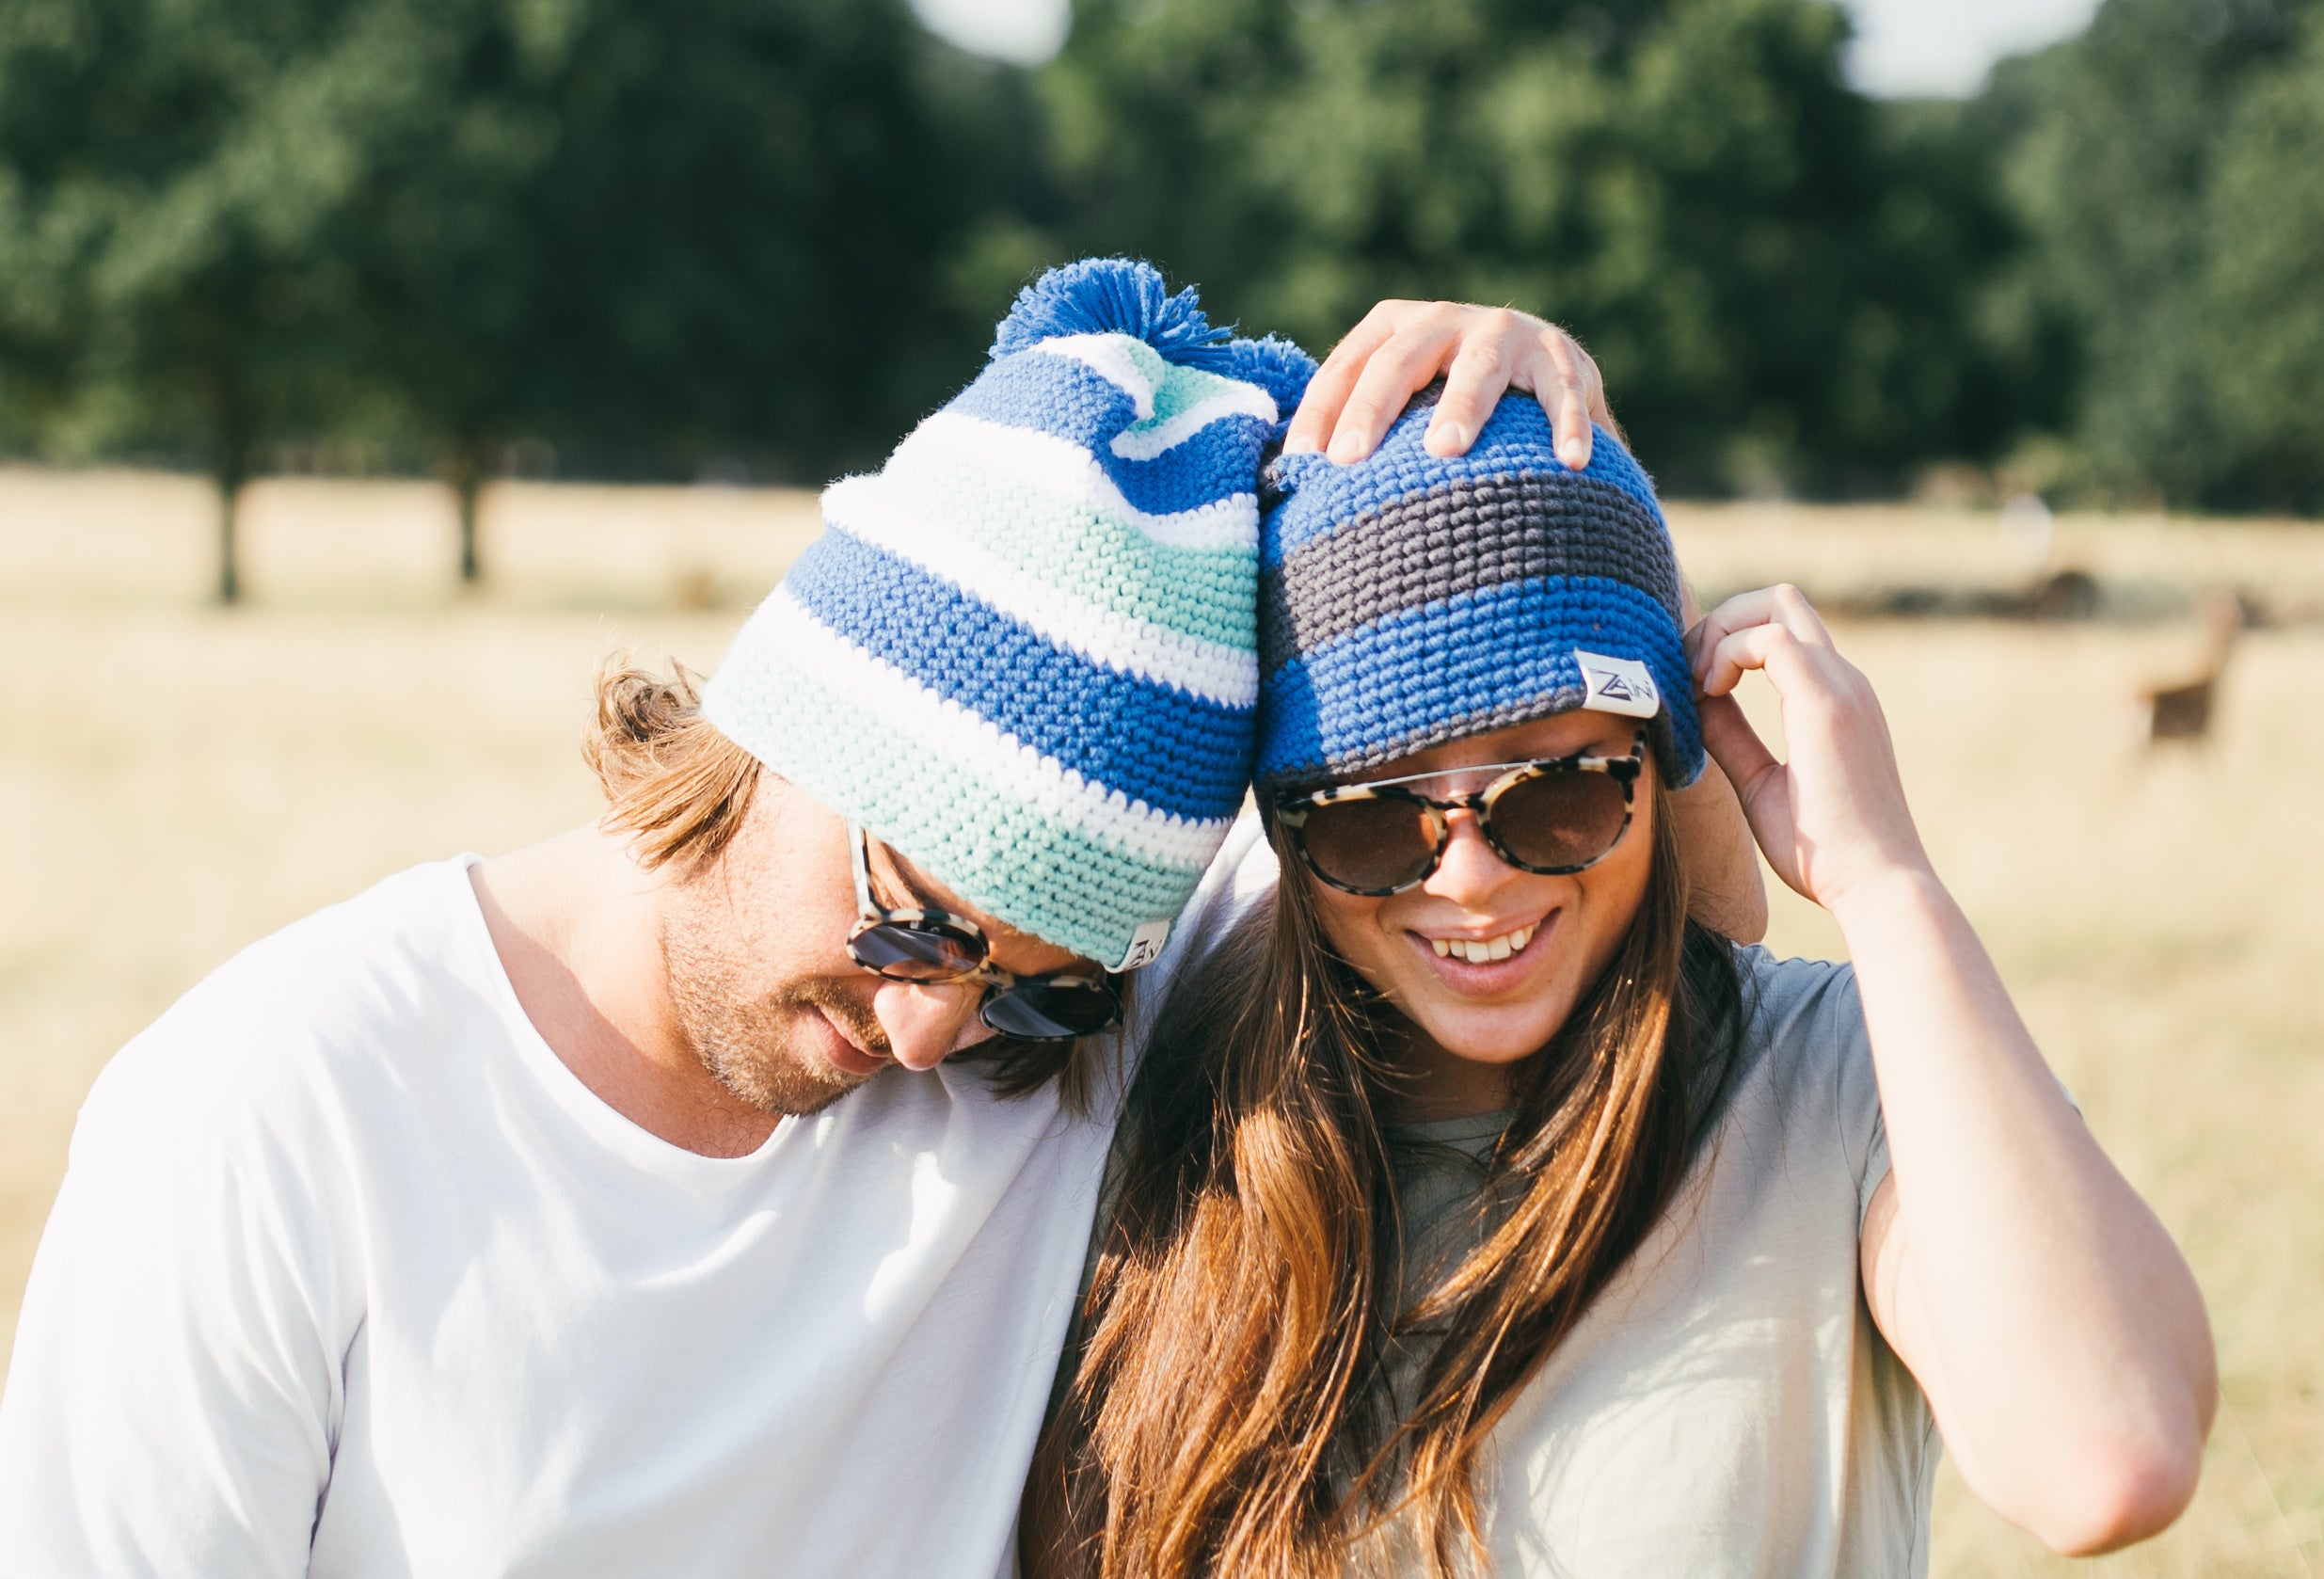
column 1454, row 538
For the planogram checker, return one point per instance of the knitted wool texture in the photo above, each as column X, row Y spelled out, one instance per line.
column 1024, row 653
column 1409, row 600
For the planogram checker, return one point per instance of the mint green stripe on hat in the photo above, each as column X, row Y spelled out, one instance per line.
column 1087, row 548
column 1001, row 852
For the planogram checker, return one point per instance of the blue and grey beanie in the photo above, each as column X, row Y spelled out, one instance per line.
column 1024, row 653
column 1407, row 601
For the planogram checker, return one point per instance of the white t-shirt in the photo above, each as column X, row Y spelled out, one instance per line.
column 351, row 1277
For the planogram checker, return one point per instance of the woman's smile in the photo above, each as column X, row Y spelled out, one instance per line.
column 1486, row 961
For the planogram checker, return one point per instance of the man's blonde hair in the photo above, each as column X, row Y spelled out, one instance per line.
column 671, row 780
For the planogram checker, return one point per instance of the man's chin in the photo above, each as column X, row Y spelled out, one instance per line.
column 805, row 1104
column 793, row 1063
column 789, row 1083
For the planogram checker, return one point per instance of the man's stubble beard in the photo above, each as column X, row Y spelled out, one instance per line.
column 752, row 1044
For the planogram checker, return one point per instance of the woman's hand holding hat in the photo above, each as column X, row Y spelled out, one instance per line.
column 1833, row 817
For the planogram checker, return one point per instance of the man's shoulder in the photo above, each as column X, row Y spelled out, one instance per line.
column 335, row 997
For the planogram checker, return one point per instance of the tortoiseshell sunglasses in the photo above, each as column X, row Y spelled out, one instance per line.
column 932, row 948
column 1553, row 817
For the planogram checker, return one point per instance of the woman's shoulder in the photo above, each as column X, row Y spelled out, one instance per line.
column 1804, row 1044
column 1794, row 996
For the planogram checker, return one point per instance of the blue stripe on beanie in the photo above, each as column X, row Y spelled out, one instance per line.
column 1175, row 751
column 1462, row 666
column 1030, row 664
column 1412, row 600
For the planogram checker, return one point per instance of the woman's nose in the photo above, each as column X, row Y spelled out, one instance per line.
column 924, row 1023
column 1470, row 869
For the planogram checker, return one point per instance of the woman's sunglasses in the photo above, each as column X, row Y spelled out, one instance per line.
column 932, row 948
column 1552, row 817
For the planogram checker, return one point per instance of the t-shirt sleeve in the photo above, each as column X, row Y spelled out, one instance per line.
column 1811, row 1010
column 1863, row 1127
column 173, row 1395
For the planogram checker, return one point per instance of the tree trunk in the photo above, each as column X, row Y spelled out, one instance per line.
column 471, row 572
column 464, row 474
column 229, row 576
column 233, row 438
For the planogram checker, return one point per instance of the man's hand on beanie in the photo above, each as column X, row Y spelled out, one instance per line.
column 1402, row 347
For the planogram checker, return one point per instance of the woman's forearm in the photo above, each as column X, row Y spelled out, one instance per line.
column 2056, row 1328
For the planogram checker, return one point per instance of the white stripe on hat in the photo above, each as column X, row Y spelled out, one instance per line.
column 1070, row 471
column 1111, row 356
column 871, row 508
column 787, row 635
column 1230, row 400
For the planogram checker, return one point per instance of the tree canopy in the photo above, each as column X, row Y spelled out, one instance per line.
column 768, row 234
column 2168, row 168
column 1774, row 274
column 650, row 234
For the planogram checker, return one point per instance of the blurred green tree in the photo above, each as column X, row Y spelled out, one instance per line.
column 660, row 236
column 160, row 201
column 1776, row 273
column 656, row 236
column 2262, row 290
column 2166, row 166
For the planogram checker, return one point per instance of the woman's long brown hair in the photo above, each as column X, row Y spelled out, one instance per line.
column 1230, row 1413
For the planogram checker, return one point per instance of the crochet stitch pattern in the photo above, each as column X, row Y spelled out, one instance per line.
column 1407, row 599
column 1024, row 653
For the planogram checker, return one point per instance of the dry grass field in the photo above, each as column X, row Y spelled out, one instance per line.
column 178, row 779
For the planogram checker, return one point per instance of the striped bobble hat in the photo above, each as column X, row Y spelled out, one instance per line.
column 1024, row 653
column 1407, row 599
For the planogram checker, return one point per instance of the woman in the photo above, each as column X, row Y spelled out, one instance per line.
column 1475, row 1210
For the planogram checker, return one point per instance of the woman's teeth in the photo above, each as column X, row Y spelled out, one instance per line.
column 1487, row 951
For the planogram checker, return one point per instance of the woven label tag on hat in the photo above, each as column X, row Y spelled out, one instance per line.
column 1145, row 943
column 1617, row 685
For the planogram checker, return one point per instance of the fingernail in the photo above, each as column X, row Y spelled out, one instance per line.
column 1345, row 450
column 1450, row 438
column 1303, row 445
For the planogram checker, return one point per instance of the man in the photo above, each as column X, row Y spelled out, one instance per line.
column 508, row 1219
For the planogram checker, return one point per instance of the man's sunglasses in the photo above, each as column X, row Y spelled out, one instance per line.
column 1551, row 817
column 932, row 948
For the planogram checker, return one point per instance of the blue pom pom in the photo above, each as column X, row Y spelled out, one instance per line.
column 1276, row 365
column 1111, row 296
column 1121, row 296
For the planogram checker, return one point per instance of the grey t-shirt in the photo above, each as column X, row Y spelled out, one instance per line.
column 1726, row 1407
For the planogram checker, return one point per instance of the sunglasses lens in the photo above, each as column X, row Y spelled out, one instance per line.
column 1560, row 819
column 1373, row 844
column 906, row 951
column 1046, row 1011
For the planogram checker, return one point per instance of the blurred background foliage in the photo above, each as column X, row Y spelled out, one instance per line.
column 755, row 238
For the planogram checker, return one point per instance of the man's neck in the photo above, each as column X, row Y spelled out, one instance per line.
column 578, row 926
